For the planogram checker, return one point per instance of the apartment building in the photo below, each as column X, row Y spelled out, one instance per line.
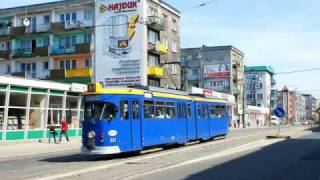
column 58, row 41
column 217, row 68
column 48, row 41
column 258, row 85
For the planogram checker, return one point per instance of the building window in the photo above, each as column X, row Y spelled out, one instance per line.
column 154, row 83
column 46, row 19
column 68, row 64
column 165, row 41
column 8, row 69
column 174, row 25
column 87, row 38
column 153, row 11
column 153, row 37
column 87, row 15
column 67, row 42
column 195, row 72
column 174, row 69
column 46, row 65
column 174, row 47
column 153, row 61
column 87, row 63
column 62, row 65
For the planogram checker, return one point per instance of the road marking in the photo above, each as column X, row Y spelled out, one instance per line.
column 145, row 157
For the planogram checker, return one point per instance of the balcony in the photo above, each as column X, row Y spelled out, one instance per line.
column 157, row 72
column 24, row 53
column 82, row 48
column 60, row 27
column 5, row 54
column 18, row 31
column 4, row 31
column 70, row 73
column 156, row 23
column 158, row 48
column 78, row 73
column 38, row 29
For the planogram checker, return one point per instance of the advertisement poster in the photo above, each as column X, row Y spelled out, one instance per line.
column 218, row 84
column 119, row 42
column 216, row 71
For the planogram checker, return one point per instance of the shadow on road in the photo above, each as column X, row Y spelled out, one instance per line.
column 290, row 159
column 81, row 158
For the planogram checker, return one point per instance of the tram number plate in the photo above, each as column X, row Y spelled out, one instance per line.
column 113, row 140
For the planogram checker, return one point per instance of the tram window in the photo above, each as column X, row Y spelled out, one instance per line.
column 148, row 107
column 124, row 109
column 100, row 111
column 135, row 109
column 184, row 110
column 160, row 109
column 199, row 111
column 179, row 110
column 170, row 110
column 211, row 111
column 204, row 111
column 222, row 111
column 189, row 111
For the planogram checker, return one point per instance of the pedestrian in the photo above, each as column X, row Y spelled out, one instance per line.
column 238, row 122
column 53, row 132
column 257, row 121
column 64, row 129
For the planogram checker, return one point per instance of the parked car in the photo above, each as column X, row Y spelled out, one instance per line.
column 297, row 123
column 275, row 120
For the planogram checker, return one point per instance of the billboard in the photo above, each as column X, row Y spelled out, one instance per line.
column 216, row 71
column 119, row 42
column 218, row 84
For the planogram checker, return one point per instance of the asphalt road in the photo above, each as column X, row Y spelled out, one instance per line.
column 294, row 159
column 72, row 165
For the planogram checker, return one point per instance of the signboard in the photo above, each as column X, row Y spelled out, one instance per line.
column 119, row 42
column 230, row 98
column 217, row 84
column 216, row 71
column 279, row 112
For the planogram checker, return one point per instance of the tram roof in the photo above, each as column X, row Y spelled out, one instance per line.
column 156, row 92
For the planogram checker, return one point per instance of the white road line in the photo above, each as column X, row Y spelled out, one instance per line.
column 145, row 157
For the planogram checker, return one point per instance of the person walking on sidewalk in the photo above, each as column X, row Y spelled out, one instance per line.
column 53, row 132
column 64, row 129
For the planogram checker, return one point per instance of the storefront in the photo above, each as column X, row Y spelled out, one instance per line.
column 27, row 106
column 257, row 116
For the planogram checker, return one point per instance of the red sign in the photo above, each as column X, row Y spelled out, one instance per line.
column 123, row 6
column 216, row 75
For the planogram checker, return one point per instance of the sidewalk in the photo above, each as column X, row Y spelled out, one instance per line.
column 10, row 150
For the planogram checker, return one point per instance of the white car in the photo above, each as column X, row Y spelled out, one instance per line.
column 275, row 120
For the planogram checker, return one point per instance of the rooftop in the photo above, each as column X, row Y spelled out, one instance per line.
column 210, row 48
column 268, row 69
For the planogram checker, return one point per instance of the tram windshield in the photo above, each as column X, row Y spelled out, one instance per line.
column 100, row 111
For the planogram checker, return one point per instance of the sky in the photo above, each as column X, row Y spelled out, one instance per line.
column 284, row 34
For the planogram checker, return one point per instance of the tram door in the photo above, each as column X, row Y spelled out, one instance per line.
column 130, row 124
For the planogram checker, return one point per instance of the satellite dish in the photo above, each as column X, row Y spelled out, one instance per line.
column 26, row 22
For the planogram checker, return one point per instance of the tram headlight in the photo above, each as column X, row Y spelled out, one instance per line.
column 91, row 134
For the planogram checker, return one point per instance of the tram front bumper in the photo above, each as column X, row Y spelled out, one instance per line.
column 101, row 150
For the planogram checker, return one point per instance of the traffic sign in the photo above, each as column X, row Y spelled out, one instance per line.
column 279, row 112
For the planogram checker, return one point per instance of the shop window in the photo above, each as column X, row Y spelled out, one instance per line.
column 16, row 119
column 36, row 118
column 18, row 99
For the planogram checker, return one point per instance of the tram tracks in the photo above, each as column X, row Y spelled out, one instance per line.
column 148, row 156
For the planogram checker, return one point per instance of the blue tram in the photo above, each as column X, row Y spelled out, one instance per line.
column 130, row 119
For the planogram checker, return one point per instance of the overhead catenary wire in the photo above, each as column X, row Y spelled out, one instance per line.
column 298, row 71
column 200, row 5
